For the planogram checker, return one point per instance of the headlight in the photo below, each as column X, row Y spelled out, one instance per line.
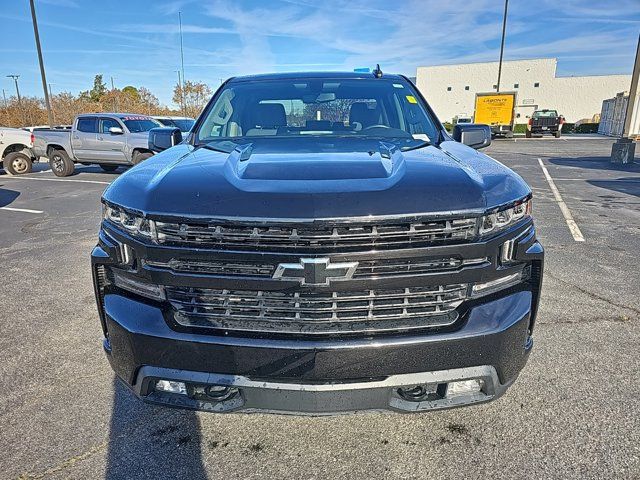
column 136, row 225
column 494, row 222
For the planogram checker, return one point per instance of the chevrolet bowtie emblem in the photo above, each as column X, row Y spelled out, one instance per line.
column 315, row 271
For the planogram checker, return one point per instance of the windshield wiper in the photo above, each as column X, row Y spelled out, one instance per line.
column 424, row 143
column 222, row 146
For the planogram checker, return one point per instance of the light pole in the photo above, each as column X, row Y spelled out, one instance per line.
column 51, row 97
column 504, row 29
column 181, row 46
column 181, row 88
column 42, row 74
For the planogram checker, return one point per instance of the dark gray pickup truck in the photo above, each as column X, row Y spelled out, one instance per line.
column 318, row 244
column 105, row 139
column 545, row 121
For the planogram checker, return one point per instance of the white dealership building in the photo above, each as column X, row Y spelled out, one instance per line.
column 451, row 89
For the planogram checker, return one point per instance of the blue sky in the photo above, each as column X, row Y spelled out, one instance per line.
column 137, row 42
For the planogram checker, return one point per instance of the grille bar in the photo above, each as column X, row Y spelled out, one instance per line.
column 378, row 268
column 397, row 233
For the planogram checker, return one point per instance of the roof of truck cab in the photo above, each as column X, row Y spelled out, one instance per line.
column 310, row 75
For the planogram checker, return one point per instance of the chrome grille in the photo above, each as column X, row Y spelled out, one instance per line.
column 317, row 312
column 376, row 268
column 389, row 234
column 216, row 267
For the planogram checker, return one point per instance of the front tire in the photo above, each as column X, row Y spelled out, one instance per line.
column 141, row 157
column 60, row 163
column 109, row 168
column 17, row 163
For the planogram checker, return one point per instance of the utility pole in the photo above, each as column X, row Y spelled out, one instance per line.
column 116, row 105
column 623, row 151
column 42, row 74
column 4, row 96
column 15, row 79
column 504, row 29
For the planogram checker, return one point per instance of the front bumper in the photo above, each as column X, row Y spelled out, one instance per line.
column 327, row 374
column 319, row 377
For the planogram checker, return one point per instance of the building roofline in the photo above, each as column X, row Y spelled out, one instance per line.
column 492, row 61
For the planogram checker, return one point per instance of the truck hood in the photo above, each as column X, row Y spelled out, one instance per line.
column 342, row 180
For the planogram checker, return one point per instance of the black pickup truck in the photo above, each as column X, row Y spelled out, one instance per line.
column 545, row 121
column 318, row 244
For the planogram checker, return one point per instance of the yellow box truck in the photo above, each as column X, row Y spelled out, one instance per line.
column 496, row 110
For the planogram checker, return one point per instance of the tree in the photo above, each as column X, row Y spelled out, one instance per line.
column 195, row 95
column 132, row 91
column 98, row 90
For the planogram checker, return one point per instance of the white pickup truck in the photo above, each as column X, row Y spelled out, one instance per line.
column 16, row 150
column 105, row 139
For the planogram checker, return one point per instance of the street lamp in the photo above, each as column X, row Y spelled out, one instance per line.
column 504, row 29
column 44, row 78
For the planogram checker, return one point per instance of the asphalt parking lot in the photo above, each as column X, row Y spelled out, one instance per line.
column 573, row 413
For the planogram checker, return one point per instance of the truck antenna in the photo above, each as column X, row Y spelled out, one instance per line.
column 377, row 72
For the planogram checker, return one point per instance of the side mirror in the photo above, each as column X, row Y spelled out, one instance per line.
column 115, row 131
column 473, row 135
column 161, row 138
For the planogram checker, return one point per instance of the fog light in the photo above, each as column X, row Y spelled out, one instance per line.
column 138, row 286
column 170, row 386
column 417, row 393
column 464, row 387
column 221, row 392
column 497, row 284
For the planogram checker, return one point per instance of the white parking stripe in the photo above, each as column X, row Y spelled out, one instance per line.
column 573, row 226
column 24, row 210
column 56, row 180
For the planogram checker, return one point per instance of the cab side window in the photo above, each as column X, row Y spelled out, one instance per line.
column 107, row 123
column 87, row 125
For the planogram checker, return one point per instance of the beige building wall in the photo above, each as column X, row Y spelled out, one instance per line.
column 451, row 89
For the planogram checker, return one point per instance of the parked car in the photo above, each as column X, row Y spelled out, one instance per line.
column 318, row 244
column 545, row 121
column 183, row 123
column 105, row 139
column 16, row 150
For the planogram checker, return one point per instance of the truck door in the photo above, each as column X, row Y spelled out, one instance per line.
column 111, row 145
column 83, row 139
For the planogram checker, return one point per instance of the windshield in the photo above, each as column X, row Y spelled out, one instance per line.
column 140, row 124
column 545, row 114
column 310, row 109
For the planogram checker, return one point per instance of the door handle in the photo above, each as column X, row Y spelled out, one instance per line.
column 76, row 137
column 100, row 138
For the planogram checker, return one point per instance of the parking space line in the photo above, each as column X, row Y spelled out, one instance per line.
column 24, row 210
column 573, row 226
column 56, row 180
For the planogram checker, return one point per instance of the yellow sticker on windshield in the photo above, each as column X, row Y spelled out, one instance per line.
column 411, row 99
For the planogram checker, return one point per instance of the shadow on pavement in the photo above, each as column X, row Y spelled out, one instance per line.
column 7, row 196
column 152, row 442
column 630, row 186
column 595, row 163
